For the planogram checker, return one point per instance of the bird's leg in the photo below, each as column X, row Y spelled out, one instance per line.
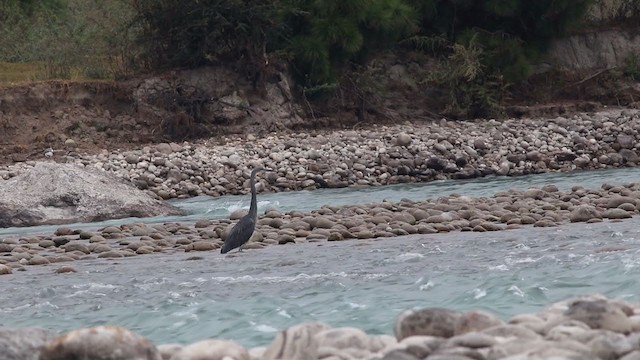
column 240, row 249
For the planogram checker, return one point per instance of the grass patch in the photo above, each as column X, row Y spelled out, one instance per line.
column 21, row 72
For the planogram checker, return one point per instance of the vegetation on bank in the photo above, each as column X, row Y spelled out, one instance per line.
column 482, row 46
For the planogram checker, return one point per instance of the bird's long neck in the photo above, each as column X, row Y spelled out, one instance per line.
column 253, row 210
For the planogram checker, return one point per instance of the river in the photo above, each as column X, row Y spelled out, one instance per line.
column 362, row 283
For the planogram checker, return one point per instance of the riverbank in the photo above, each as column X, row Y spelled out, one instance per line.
column 586, row 327
column 379, row 155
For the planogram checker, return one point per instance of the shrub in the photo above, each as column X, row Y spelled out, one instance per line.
column 514, row 33
column 193, row 33
column 70, row 38
column 323, row 37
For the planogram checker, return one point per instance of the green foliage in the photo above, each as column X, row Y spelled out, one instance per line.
column 632, row 67
column 470, row 90
column 191, row 33
column 323, row 37
column 514, row 33
column 498, row 40
column 70, row 38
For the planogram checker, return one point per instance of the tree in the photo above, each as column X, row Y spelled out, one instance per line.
column 322, row 37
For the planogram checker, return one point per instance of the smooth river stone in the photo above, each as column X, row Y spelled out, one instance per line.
column 599, row 314
column 5, row 270
column 23, row 343
column 429, row 322
column 421, row 346
column 475, row 321
column 343, row 338
column 212, row 350
column 100, row 342
column 583, row 213
column 296, row 342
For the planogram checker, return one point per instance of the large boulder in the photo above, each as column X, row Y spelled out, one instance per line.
column 23, row 343
column 52, row 193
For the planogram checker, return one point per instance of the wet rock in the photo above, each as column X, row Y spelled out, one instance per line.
column 511, row 331
column 65, row 269
column 379, row 342
column 6, row 248
column 168, row 350
column 76, row 246
column 285, row 239
column 616, row 214
column 59, row 241
column 324, row 223
column 475, row 321
column 608, row 345
column 296, row 342
column 583, row 213
column 403, row 139
column 398, row 354
column 472, row 340
column 212, row 350
column 53, row 192
column 46, row 243
column 428, row 322
column 203, row 246
column 111, row 230
column 202, row 224
column 421, row 346
column 343, row 338
column 5, row 270
column 616, row 201
column 23, row 343
column 101, row 342
column 238, row 214
column 38, row 260
column 63, row 231
column 599, row 314
column 111, row 254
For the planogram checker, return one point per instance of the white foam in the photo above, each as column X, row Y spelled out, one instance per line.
column 278, row 279
column 525, row 260
column 516, row 291
column 356, row 305
column 409, row 257
column 284, row 313
column 502, row 267
column 479, row 293
column 265, row 328
column 93, row 289
column 430, row 284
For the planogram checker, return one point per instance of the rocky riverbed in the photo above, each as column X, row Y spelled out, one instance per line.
column 587, row 327
column 377, row 155
column 537, row 207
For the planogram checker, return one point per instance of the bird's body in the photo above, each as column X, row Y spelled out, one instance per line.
column 243, row 229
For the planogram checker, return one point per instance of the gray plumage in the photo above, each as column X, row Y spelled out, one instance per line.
column 244, row 228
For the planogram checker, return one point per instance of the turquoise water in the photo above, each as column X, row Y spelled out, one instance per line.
column 250, row 296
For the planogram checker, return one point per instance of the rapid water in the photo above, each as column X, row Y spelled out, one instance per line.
column 366, row 284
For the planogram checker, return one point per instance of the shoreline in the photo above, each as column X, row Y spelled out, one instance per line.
column 381, row 155
column 584, row 327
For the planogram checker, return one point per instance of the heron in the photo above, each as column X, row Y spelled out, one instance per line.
column 244, row 228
